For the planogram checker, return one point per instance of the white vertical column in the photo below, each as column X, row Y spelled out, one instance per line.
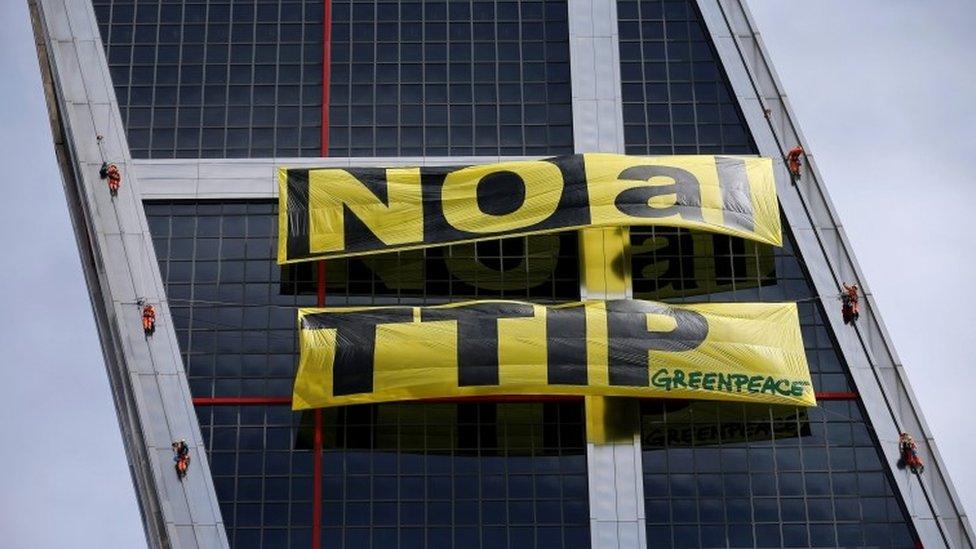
column 146, row 374
column 613, row 451
column 594, row 57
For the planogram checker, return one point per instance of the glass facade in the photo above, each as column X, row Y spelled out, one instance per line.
column 718, row 475
column 676, row 97
column 449, row 78
column 456, row 475
column 723, row 474
column 417, row 476
column 733, row 475
column 411, row 475
column 244, row 78
column 234, row 307
column 221, row 79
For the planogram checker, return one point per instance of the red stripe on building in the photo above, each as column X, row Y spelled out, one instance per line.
column 317, row 440
column 244, row 401
column 836, row 396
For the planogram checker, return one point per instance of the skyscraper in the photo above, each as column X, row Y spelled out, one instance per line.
column 198, row 102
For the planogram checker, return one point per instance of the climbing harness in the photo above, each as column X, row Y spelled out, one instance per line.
column 149, row 319
column 793, row 161
column 109, row 171
column 182, row 458
column 909, row 454
column 850, row 308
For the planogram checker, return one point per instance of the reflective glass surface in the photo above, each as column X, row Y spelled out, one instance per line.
column 201, row 79
column 234, row 306
column 676, row 96
column 682, row 266
column 406, row 475
column 732, row 475
column 243, row 78
column 441, row 78
column 455, row 475
column 261, row 460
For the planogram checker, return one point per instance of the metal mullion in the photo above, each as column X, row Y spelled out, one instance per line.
column 474, row 99
column 644, row 98
column 667, row 81
column 521, row 84
column 264, row 474
column 227, row 87
column 694, row 97
column 752, row 497
column 681, row 253
column 155, row 66
column 301, row 83
column 179, row 102
column 498, row 95
column 718, row 104
column 349, row 103
column 732, row 274
column 375, row 64
column 274, row 124
column 399, row 107
column 191, row 309
column 253, row 61
column 803, row 476
column 759, row 271
column 667, row 472
column 776, row 471
column 471, row 65
column 423, row 85
column 203, row 74
column 545, row 55
column 132, row 53
column 695, row 472
column 477, row 291
column 447, row 85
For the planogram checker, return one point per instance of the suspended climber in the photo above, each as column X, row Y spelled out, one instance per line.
column 182, row 458
column 793, row 161
column 114, row 176
column 850, row 309
column 149, row 319
column 909, row 453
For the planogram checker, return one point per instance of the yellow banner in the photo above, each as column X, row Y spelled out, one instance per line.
column 735, row 352
column 339, row 212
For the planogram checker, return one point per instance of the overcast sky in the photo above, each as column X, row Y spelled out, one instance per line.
column 884, row 92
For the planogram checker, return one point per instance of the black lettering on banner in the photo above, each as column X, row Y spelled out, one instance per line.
column 630, row 340
column 477, row 337
column 297, row 214
column 358, row 236
column 736, row 193
column 494, row 197
column 566, row 345
column 635, row 201
column 500, row 193
column 352, row 369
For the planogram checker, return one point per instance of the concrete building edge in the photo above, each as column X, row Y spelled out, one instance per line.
column 720, row 24
column 161, row 529
column 138, row 459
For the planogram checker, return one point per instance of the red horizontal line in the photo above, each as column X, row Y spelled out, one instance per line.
column 836, row 396
column 282, row 401
column 505, row 398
